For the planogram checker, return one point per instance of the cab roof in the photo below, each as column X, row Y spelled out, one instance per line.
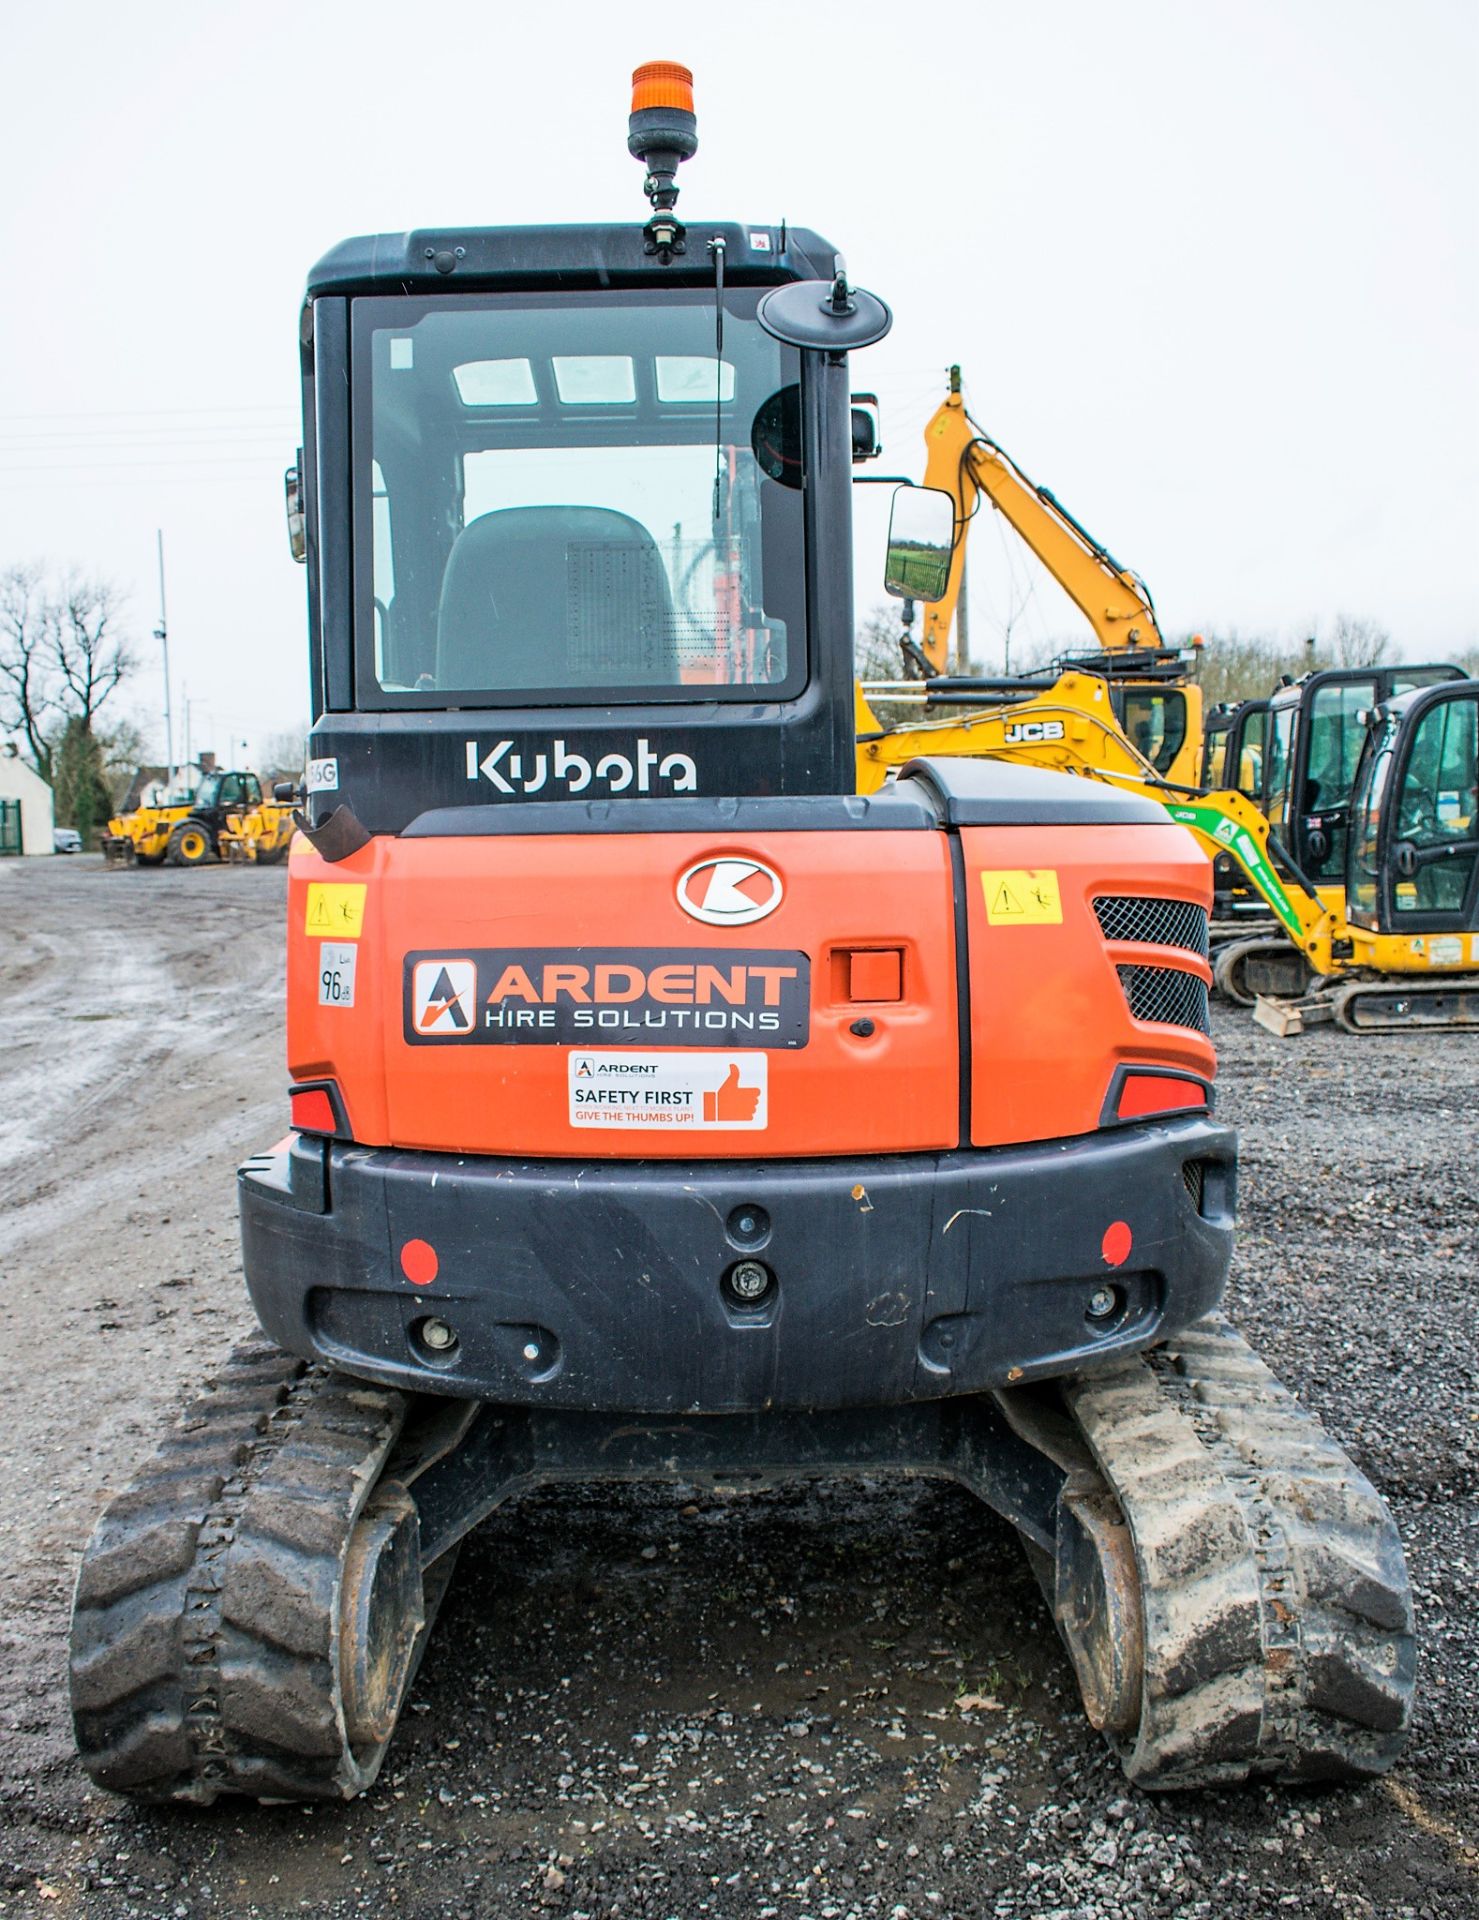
column 454, row 259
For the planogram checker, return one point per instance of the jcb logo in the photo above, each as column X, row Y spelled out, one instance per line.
column 1031, row 732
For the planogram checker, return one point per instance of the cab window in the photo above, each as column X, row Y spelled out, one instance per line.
column 1363, row 875
column 1250, row 753
column 575, row 498
column 1438, row 810
column 1155, row 721
column 1277, row 762
column 1336, row 732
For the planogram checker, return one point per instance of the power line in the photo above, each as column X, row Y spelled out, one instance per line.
column 94, row 466
column 142, row 413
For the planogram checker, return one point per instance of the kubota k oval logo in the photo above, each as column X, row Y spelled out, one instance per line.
column 728, row 892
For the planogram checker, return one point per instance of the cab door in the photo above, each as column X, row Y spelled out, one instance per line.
column 1433, row 875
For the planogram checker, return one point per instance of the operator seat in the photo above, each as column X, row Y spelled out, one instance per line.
column 555, row 597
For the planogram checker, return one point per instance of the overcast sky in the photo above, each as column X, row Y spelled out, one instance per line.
column 1212, row 271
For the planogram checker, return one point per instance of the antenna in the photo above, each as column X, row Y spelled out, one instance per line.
column 161, row 634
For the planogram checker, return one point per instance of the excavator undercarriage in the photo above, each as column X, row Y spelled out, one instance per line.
column 1229, row 1586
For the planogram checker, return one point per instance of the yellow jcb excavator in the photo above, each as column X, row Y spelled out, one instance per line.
column 1403, row 949
column 1157, row 704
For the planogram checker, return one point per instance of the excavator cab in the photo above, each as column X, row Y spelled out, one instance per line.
column 1232, row 747
column 1413, row 858
column 1316, row 727
column 564, row 500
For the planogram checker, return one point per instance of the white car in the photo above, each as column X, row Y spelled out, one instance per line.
column 66, row 840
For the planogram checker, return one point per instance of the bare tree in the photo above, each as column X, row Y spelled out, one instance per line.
column 62, row 657
column 123, row 749
column 91, row 657
column 1233, row 666
column 27, row 653
column 1357, row 642
column 284, row 754
column 878, row 649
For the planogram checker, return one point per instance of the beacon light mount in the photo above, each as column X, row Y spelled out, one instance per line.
column 662, row 133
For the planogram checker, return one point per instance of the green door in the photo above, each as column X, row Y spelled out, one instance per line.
column 10, row 826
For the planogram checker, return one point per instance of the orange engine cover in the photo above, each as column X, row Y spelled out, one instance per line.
column 578, row 954
column 533, row 995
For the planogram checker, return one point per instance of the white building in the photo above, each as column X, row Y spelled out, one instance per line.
column 25, row 806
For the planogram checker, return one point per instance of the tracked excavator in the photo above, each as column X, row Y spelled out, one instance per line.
column 1154, row 696
column 1396, row 948
column 663, row 1108
column 1309, row 734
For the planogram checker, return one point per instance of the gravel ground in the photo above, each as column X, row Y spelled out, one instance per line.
column 809, row 1704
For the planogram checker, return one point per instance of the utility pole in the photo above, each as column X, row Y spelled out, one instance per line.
column 161, row 634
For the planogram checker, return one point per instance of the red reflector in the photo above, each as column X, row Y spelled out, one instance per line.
column 1145, row 1093
column 313, row 1111
column 1117, row 1242
column 419, row 1262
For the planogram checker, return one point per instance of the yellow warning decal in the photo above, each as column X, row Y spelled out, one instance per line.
column 335, row 907
column 1022, row 897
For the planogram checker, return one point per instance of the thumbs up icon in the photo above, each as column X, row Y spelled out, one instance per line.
column 731, row 1104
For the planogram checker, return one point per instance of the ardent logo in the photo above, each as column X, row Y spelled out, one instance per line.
column 727, row 892
column 444, row 996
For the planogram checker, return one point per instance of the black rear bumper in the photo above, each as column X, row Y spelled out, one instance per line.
column 604, row 1286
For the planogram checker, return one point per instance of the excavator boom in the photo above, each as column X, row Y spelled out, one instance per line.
column 965, row 463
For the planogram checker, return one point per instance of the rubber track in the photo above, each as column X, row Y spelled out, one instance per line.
column 1278, row 1618
column 205, row 1627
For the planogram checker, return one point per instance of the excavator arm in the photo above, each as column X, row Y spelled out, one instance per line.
column 964, row 463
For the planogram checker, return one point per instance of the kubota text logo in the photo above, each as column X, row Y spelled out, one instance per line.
column 559, row 772
column 728, row 892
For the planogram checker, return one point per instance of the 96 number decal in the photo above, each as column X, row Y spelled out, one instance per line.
column 336, row 973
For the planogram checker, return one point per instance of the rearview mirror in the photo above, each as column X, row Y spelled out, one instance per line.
column 921, row 544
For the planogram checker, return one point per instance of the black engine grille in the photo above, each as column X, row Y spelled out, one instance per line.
column 1193, row 1175
column 1160, row 923
column 1168, row 994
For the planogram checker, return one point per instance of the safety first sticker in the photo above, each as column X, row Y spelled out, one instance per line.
column 1022, row 897
column 681, row 1091
column 336, row 909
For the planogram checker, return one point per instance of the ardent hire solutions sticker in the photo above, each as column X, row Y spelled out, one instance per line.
column 682, row 1091
column 608, row 997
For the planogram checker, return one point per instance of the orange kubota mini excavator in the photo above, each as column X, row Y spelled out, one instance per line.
column 661, row 1107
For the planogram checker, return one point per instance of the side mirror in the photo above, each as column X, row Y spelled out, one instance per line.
column 921, row 544
column 867, row 440
column 292, row 483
